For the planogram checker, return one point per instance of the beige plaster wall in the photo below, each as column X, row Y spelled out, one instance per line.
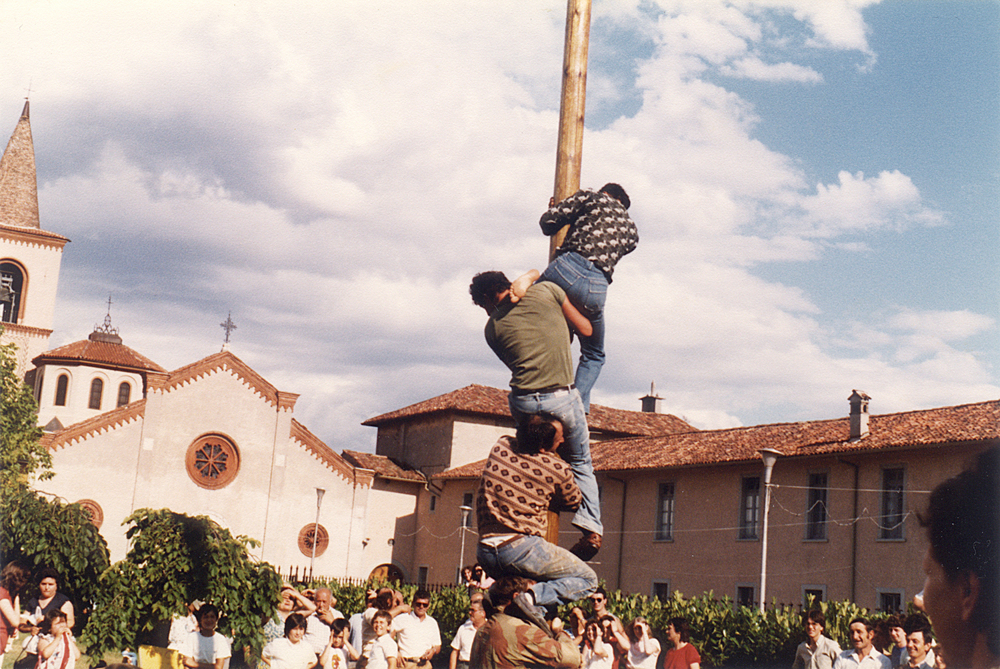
column 77, row 406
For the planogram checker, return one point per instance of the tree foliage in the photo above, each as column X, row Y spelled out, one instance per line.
column 175, row 559
column 21, row 453
column 34, row 529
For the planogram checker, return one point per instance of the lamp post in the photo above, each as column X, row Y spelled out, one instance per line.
column 466, row 510
column 319, row 502
column 770, row 456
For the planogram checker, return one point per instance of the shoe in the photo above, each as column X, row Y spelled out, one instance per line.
column 534, row 613
column 588, row 545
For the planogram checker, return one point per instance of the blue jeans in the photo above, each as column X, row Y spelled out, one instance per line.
column 562, row 577
column 568, row 408
column 587, row 288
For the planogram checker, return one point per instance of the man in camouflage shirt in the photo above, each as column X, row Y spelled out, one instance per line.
column 506, row 642
column 600, row 233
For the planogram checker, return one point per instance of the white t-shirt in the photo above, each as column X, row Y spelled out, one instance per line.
column 337, row 659
column 415, row 636
column 283, row 654
column 382, row 648
column 463, row 640
column 206, row 649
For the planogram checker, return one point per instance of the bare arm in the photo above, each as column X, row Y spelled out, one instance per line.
column 453, row 660
column 303, row 604
column 576, row 320
column 10, row 612
column 521, row 284
column 67, row 608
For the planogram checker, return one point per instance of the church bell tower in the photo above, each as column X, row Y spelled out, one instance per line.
column 29, row 256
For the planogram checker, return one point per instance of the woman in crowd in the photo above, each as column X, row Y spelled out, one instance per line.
column 12, row 581
column 49, row 599
column 683, row 655
column 645, row 649
column 289, row 651
column 56, row 647
column 292, row 601
column 596, row 653
column 207, row 649
column 615, row 638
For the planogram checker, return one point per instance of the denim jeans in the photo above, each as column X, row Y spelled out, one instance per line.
column 587, row 287
column 568, row 408
column 562, row 577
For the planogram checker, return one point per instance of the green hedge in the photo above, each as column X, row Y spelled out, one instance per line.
column 724, row 634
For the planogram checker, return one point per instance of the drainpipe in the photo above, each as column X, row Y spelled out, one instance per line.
column 621, row 529
column 854, row 531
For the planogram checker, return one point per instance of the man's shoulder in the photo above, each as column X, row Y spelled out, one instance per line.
column 546, row 290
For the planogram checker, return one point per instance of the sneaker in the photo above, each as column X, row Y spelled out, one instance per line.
column 588, row 545
column 535, row 614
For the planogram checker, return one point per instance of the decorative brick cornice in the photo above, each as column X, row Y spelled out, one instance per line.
column 32, row 237
column 286, row 400
column 224, row 361
column 105, row 422
column 314, row 445
column 27, row 330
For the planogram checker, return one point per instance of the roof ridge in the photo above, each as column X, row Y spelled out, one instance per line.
column 222, row 361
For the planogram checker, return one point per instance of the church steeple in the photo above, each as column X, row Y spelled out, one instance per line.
column 18, row 183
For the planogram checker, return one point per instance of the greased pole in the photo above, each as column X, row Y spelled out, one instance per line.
column 569, row 153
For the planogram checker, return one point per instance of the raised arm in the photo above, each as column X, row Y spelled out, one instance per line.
column 576, row 320
column 521, row 284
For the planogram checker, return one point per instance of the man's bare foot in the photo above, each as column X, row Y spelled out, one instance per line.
column 521, row 284
column 588, row 545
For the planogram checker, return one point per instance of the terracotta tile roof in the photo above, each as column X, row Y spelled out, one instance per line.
column 104, row 422
column 947, row 425
column 384, row 467
column 487, row 401
column 321, row 451
column 99, row 354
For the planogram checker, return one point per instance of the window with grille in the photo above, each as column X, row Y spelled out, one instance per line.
column 665, row 513
column 891, row 519
column 816, row 509
column 749, row 507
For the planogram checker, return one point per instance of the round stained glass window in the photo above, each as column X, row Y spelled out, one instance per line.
column 94, row 511
column 213, row 461
column 313, row 534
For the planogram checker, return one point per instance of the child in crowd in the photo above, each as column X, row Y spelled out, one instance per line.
column 207, row 649
column 56, row 647
column 339, row 651
column 384, row 650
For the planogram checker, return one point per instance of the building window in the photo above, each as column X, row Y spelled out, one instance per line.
column 467, row 517
column 661, row 590
column 816, row 511
column 422, row 575
column 311, row 535
column 212, row 461
column 11, row 291
column 665, row 513
column 96, row 390
column 812, row 595
column 891, row 519
column 745, row 595
column 62, row 385
column 93, row 511
column 749, row 507
column 433, row 503
column 890, row 601
column 124, row 393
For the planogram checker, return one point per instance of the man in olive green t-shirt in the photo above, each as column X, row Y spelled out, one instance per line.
column 531, row 337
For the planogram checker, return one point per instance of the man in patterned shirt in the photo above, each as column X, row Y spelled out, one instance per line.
column 600, row 233
column 521, row 481
column 505, row 642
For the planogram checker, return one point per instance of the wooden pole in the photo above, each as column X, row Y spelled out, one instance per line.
column 569, row 152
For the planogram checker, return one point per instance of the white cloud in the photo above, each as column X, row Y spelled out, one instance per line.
column 755, row 68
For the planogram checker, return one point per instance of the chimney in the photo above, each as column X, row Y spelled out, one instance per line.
column 651, row 402
column 859, row 414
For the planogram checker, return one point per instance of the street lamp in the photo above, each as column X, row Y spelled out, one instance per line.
column 466, row 510
column 770, row 456
column 319, row 502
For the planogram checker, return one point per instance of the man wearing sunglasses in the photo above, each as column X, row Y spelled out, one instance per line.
column 417, row 634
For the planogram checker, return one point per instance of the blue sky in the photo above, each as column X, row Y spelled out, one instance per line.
column 816, row 187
